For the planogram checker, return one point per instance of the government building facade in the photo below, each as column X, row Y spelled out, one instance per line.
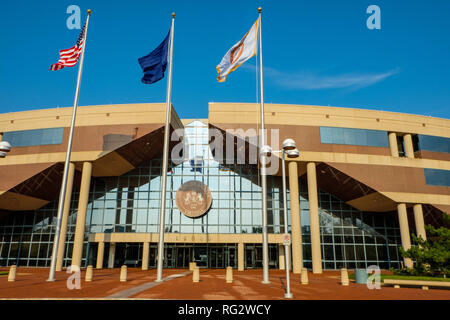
column 363, row 182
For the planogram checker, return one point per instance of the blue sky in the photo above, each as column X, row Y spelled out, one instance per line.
column 315, row 52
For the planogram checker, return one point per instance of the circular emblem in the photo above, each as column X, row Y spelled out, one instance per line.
column 193, row 199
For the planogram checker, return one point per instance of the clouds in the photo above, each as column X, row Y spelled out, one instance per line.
column 317, row 81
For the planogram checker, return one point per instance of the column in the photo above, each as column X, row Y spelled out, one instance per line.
column 100, row 254
column 112, row 253
column 281, row 258
column 241, row 256
column 393, row 144
column 81, row 215
column 145, row 254
column 418, row 219
column 296, row 228
column 316, row 250
column 65, row 218
column 408, row 145
column 404, row 231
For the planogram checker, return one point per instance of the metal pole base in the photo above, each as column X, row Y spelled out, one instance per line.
column 265, row 282
column 50, row 280
column 159, row 280
column 288, row 296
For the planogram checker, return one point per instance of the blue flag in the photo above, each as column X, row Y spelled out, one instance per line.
column 154, row 64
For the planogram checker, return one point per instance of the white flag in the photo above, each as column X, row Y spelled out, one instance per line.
column 239, row 53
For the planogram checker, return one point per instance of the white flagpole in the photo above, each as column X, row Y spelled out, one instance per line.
column 162, row 215
column 62, row 194
column 265, row 240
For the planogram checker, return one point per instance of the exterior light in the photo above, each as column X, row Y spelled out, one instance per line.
column 266, row 151
column 2, row 154
column 289, row 144
column 293, row 153
column 5, row 146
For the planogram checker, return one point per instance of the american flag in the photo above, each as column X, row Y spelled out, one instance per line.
column 69, row 57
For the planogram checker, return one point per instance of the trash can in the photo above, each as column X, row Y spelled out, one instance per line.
column 361, row 276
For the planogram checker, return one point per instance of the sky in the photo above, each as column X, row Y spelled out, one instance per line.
column 314, row 52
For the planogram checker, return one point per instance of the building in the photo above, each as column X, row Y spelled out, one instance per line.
column 363, row 182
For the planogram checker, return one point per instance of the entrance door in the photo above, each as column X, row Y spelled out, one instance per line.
column 253, row 256
column 230, row 257
column 169, row 256
column 200, row 256
column 127, row 254
column 216, row 257
column 183, row 257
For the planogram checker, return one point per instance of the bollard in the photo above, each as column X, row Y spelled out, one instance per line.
column 123, row 274
column 229, row 275
column 89, row 272
column 196, row 275
column 192, row 265
column 12, row 273
column 304, row 278
column 344, row 277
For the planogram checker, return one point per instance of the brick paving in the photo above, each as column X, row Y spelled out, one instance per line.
column 30, row 283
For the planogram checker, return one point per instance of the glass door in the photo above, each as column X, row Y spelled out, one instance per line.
column 200, row 256
column 169, row 257
column 183, row 257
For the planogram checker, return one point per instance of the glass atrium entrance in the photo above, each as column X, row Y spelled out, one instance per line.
column 180, row 255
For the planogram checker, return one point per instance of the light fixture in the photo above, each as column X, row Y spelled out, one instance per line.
column 289, row 144
column 293, row 153
column 5, row 146
column 2, row 154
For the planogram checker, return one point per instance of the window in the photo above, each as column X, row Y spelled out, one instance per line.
column 433, row 143
column 35, row 137
column 437, row 177
column 354, row 137
column 400, row 146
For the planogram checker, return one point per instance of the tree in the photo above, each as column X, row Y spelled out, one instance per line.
column 432, row 256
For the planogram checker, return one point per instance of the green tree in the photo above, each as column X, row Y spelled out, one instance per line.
column 432, row 256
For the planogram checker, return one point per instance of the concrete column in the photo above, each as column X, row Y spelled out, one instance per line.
column 418, row 219
column 112, row 253
column 393, row 144
column 404, row 231
column 65, row 218
column 281, row 257
column 408, row 145
column 296, row 228
column 81, row 215
column 145, row 254
column 100, row 254
column 241, row 256
column 316, row 248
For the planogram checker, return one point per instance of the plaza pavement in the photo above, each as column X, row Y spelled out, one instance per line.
column 177, row 285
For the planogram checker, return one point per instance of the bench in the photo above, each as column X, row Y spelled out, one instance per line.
column 419, row 283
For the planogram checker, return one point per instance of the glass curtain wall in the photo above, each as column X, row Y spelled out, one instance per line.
column 130, row 203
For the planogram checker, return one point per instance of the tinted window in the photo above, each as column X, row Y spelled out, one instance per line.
column 432, row 143
column 355, row 137
column 35, row 137
column 437, row 177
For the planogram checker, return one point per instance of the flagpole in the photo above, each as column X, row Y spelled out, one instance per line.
column 263, row 165
column 62, row 194
column 165, row 160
